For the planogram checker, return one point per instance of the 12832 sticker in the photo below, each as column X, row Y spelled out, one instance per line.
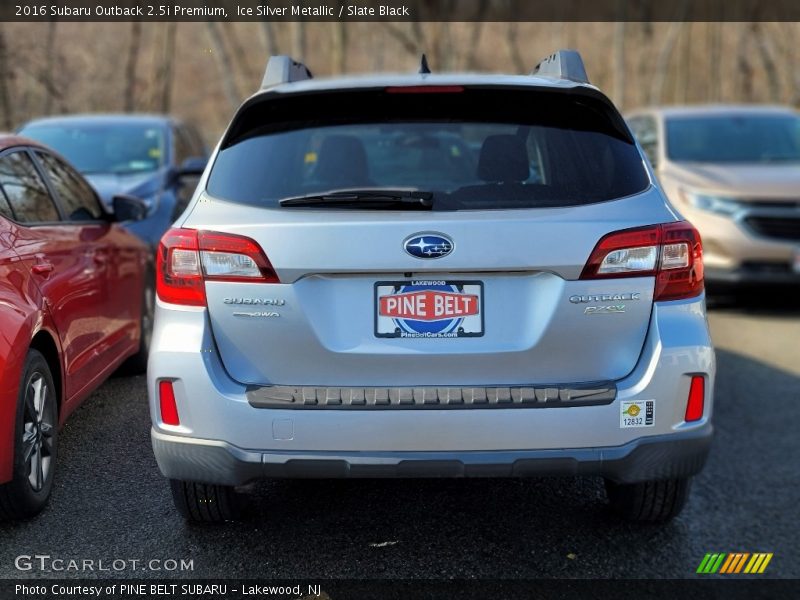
column 637, row 413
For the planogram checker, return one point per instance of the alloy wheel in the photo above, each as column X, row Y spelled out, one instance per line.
column 37, row 431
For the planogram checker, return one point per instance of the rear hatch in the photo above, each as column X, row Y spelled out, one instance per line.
column 431, row 237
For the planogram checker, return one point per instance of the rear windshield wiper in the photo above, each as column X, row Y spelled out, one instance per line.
column 386, row 199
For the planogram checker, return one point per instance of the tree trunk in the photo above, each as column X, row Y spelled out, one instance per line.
column 298, row 29
column 47, row 74
column 129, row 100
column 471, row 62
column 766, row 52
column 619, row 64
column 241, row 63
column 661, row 67
column 745, row 68
column 269, row 38
column 6, row 112
column 224, row 64
column 512, row 45
column 338, row 48
column 164, row 101
column 715, row 62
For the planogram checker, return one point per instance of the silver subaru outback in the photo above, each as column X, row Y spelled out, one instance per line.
column 429, row 275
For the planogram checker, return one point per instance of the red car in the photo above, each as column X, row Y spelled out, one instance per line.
column 76, row 303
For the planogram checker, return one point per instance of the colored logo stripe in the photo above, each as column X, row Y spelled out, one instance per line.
column 734, row 562
column 758, row 563
column 711, row 563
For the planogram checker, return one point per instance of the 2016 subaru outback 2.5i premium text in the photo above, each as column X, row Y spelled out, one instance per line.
column 430, row 275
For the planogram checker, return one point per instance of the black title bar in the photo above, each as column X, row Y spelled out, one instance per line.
column 400, row 10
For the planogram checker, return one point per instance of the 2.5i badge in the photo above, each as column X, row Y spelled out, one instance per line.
column 637, row 413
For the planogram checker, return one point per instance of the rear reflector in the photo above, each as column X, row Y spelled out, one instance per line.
column 694, row 405
column 672, row 252
column 166, row 398
column 187, row 258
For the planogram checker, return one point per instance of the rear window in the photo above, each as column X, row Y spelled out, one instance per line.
column 474, row 149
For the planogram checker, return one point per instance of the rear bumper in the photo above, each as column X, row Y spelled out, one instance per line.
column 225, row 437
column 654, row 457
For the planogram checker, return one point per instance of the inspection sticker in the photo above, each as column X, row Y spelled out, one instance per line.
column 637, row 413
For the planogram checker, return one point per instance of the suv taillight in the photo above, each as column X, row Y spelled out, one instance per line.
column 672, row 252
column 187, row 258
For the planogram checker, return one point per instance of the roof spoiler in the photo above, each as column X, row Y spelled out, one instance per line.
column 283, row 69
column 564, row 64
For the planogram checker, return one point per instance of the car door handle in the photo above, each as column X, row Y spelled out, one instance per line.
column 43, row 267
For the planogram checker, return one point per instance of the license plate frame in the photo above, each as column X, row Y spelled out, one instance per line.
column 467, row 326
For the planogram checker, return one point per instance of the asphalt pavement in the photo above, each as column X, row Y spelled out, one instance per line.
column 111, row 503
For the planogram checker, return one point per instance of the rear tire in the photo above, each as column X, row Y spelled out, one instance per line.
column 648, row 501
column 35, row 440
column 206, row 503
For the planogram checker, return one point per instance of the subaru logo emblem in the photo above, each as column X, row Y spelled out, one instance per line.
column 428, row 245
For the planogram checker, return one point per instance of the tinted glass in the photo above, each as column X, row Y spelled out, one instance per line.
column 475, row 150
column 734, row 139
column 119, row 148
column 5, row 207
column 77, row 198
column 25, row 189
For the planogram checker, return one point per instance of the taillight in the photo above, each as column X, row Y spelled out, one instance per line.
column 694, row 405
column 187, row 258
column 167, row 404
column 672, row 252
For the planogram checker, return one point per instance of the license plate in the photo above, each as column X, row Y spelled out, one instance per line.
column 428, row 309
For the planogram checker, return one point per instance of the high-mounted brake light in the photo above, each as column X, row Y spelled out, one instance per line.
column 672, row 252
column 187, row 258
column 425, row 89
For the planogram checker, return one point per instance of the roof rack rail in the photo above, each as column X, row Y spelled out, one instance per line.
column 563, row 64
column 283, row 69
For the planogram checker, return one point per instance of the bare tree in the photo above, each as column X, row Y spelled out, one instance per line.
column 223, row 63
column 744, row 66
column 163, row 87
column 338, row 47
column 5, row 78
column 619, row 63
column 715, row 61
column 512, row 46
column 242, row 65
column 298, row 32
column 410, row 35
column 49, row 63
column 270, row 40
column 129, row 99
column 661, row 67
column 471, row 61
column 766, row 51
